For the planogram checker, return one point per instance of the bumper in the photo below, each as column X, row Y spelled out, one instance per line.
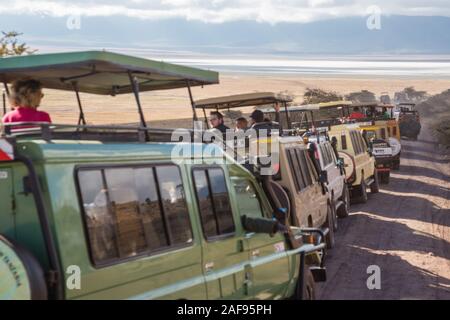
column 384, row 163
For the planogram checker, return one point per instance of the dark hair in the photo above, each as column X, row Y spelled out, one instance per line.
column 257, row 115
column 217, row 114
column 241, row 119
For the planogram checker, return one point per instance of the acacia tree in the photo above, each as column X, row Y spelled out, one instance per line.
column 361, row 96
column 10, row 45
column 318, row 95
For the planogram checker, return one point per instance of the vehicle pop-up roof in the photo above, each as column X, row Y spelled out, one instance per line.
column 241, row 100
column 105, row 73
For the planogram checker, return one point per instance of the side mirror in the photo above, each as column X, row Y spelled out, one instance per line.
column 260, row 225
column 323, row 178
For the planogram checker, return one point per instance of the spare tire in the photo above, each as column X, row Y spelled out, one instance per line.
column 21, row 276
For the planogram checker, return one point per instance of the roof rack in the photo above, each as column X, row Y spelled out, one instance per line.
column 105, row 133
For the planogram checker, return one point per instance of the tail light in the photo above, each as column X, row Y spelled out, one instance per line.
column 6, row 151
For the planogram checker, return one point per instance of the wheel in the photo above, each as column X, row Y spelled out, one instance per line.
column 308, row 291
column 375, row 186
column 335, row 220
column 384, row 177
column 329, row 238
column 309, row 287
column 343, row 210
column 361, row 190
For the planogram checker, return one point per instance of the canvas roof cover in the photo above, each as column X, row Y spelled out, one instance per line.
column 101, row 72
column 241, row 100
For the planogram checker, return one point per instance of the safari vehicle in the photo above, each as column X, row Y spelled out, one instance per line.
column 297, row 175
column 359, row 163
column 375, row 136
column 409, row 121
column 99, row 212
column 386, row 131
column 321, row 151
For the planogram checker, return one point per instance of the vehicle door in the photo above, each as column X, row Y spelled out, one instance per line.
column 7, row 223
column 361, row 156
column 225, row 258
column 320, row 194
column 306, row 210
column 335, row 179
column 141, row 237
column 270, row 274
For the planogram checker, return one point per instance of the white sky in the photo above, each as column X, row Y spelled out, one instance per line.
column 218, row 11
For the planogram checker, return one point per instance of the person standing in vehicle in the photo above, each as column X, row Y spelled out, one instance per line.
column 216, row 120
column 241, row 124
column 386, row 114
column 356, row 114
column 25, row 98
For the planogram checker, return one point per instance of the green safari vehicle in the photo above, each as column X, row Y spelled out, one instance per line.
column 113, row 212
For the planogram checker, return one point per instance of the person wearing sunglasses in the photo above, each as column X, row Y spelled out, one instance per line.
column 25, row 98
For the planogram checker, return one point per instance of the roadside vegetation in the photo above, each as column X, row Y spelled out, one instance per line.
column 436, row 111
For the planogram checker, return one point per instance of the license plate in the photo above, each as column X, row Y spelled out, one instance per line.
column 382, row 151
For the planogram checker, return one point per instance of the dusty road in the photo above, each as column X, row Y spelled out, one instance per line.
column 405, row 230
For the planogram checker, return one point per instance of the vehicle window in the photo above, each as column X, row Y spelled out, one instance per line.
column 213, row 202
column 354, row 142
column 174, row 203
column 247, row 198
column 331, row 153
column 389, row 131
column 357, row 142
column 383, row 133
column 324, row 155
column 344, row 142
column 298, row 171
column 291, row 160
column 362, row 142
column 395, row 130
column 312, row 171
column 302, row 156
column 128, row 213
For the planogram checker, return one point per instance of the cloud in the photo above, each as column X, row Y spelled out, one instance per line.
column 219, row 11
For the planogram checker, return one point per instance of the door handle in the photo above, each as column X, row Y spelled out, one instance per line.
column 209, row 266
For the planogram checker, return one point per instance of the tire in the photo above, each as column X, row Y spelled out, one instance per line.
column 309, row 290
column 329, row 238
column 343, row 210
column 362, row 191
column 309, row 287
column 375, row 185
column 335, row 220
column 28, row 269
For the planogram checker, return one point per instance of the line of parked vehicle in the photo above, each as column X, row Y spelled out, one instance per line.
column 138, row 221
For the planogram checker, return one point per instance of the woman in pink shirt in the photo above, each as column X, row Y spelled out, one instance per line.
column 25, row 98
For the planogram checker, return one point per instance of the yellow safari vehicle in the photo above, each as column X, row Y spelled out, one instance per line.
column 117, row 210
column 375, row 137
column 359, row 163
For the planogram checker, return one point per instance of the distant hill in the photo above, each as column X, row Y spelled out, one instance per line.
column 399, row 34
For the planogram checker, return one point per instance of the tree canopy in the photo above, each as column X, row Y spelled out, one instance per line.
column 11, row 46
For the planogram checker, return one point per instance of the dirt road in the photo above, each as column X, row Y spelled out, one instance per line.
column 405, row 230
